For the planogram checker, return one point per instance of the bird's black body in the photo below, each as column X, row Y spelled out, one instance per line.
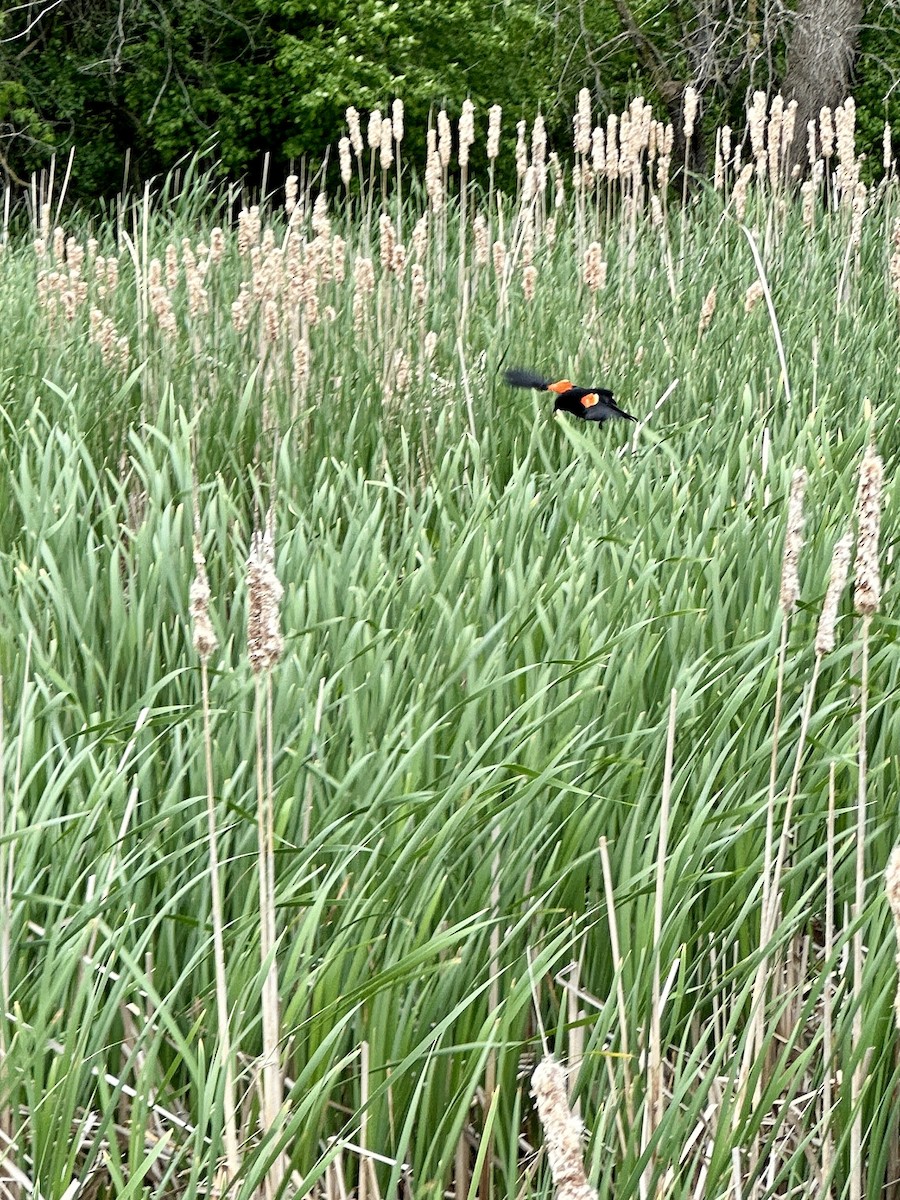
column 588, row 404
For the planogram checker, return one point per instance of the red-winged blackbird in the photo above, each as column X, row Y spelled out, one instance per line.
column 590, row 404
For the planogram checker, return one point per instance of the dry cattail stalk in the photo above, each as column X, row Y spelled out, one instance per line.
column 387, row 144
column 550, row 232
column 240, row 309
column 826, row 132
column 216, row 244
column 887, row 154
column 290, row 194
column 386, row 240
column 811, row 141
column 793, row 544
column 338, row 262
column 397, row 120
column 707, row 311
column 598, row 151
column 466, row 131
column 539, row 152
column 612, row 150
column 420, row 238
column 373, row 130
column 867, row 592
column 434, row 184
column 271, row 321
column 788, row 126
column 756, row 121
column 320, row 221
column 354, row 130
column 249, row 228
column 495, row 113
column 753, row 296
column 445, row 138
column 480, row 234
column 656, row 212
column 418, row 284
column 776, row 116
column 398, row 260
column 300, row 374
column 499, row 256
column 583, row 123
column 808, row 203
column 521, row 150
column 594, row 267
column 529, row 282
column 264, row 640
column 691, row 101
column 840, row 564
column 59, row 245
column 345, row 160
column 739, row 191
column 562, row 1131
column 205, row 640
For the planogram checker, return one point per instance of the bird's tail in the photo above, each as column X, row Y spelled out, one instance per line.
column 519, row 378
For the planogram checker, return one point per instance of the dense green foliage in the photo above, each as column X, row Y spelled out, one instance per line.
column 486, row 612
column 148, row 83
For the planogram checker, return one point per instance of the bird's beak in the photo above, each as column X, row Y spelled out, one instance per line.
column 563, row 386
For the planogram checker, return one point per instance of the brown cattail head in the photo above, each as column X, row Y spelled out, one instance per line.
column 793, row 544
column 205, row 640
column 562, row 1131
column 264, row 640
column 840, row 564
column 707, row 311
column 867, row 591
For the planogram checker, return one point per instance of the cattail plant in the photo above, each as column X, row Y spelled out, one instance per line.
column 205, row 644
column 866, row 600
column 562, row 1131
column 264, row 649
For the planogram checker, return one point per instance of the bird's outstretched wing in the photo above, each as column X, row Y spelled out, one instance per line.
column 520, row 378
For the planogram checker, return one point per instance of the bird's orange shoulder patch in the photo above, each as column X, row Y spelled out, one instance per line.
column 563, row 385
column 590, row 400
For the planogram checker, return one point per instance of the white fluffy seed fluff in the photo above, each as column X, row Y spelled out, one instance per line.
column 562, row 1131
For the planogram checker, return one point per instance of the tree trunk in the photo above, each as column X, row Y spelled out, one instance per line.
column 821, row 53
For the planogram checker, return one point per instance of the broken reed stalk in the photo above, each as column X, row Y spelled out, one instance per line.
column 205, row 643
column 653, row 1102
column 264, row 648
column 562, row 1131
column 866, row 600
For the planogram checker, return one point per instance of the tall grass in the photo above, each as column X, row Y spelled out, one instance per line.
column 539, row 718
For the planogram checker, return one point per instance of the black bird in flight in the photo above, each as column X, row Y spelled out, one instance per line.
column 590, row 404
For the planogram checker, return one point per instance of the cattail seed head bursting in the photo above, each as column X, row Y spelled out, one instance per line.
column 562, row 1132
column 373, row 131
column 397, row 119
column 495, row 112
column 691, row 101
column 356, row 140
column 867, row 578
column 840, row 564
column 264, row 640
column 466, row 131
column 205, row 640
column 793, row 544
